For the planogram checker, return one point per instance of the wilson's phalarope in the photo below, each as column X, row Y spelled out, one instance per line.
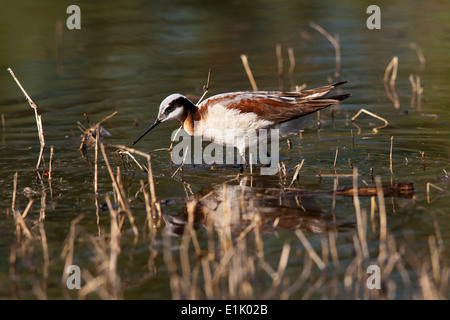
column 227, row 118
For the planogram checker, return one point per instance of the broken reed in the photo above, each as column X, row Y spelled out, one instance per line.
column 38, row 119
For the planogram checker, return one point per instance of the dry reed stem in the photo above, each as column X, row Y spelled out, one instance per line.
column 335, row 42
column 114, row 252
column 13, row 204
column 249, row 72
column 312, row 254
column 68, row 251
column 299, row 167
column 155, row 204
column 94, row 284
column 417, row 90
column 334, row 175
column 13, row 270
column 392, row 66
column 434, row 257
column 173, row 140
column 20, row 222
column 390, row 156
column 38, row 119
column 333, row 204
column 373, row 115
column 291, row 66
column 429, row 184
column 282, row 264
column 205, row 88
column 392, row 95
column 43, row 198
column 382, row 254
column 46, row 257
column 50, row 165
column 389, row 86
column 359, row 216
column 335, row 158
column 120, row 193
column 180, row 168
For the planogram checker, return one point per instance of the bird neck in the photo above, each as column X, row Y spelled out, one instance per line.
column 190, row 112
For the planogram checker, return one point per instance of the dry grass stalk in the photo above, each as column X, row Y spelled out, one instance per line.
column 335, row 42
column 372, row 115
column 38, row 119
column 249, row 72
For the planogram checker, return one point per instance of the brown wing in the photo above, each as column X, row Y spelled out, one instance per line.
column 279, row 107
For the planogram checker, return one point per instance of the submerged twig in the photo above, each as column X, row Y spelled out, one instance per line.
column 373, row 115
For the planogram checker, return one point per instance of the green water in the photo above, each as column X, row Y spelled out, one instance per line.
column 128, row 56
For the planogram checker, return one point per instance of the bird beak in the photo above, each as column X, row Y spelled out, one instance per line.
column 157, row 121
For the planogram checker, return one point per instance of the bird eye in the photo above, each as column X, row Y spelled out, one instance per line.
column 169, row 109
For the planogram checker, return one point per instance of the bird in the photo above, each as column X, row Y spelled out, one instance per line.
column 229, row 118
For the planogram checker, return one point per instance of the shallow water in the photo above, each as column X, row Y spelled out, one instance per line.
column 127, row 57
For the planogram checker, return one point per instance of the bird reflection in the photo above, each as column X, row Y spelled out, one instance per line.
column 236, row 203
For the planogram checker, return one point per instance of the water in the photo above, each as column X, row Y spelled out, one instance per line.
column 129, row 56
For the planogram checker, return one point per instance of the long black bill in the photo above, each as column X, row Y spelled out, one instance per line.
column 157, row 121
